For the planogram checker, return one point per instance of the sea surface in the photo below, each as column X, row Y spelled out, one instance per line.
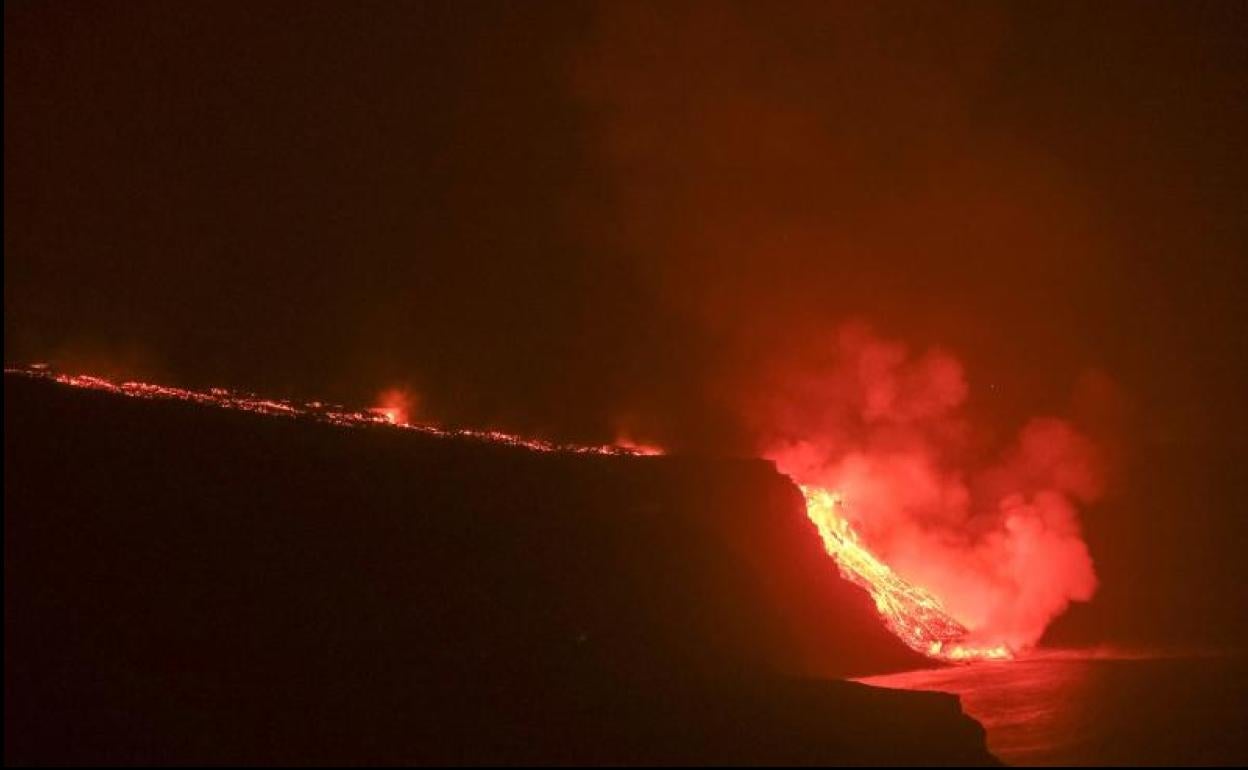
column 1077, row 708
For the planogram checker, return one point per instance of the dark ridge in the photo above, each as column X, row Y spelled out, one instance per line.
column 192, row 585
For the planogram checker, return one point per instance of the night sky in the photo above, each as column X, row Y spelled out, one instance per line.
column 580, row 219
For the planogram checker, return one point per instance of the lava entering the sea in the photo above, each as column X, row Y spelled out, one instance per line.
column 908, row 610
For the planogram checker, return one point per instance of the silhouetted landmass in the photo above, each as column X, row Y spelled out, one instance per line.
column 187, row 584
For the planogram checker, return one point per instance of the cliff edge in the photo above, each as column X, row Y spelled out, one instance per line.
column 188, row 584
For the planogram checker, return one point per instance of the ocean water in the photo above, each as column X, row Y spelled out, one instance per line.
column 1072, row 708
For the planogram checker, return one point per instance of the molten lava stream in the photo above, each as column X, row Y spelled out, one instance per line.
column 910, row 612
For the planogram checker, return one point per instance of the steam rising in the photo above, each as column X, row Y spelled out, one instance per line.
column 780, row 173
column 996, row 540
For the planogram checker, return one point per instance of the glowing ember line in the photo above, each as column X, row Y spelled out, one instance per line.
column 316, row 410
column 913, row 614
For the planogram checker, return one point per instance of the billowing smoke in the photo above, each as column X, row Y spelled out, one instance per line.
column 647, row 222
column 996, row 538
column 774, row 174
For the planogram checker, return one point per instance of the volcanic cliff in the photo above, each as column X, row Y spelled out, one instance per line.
column 186, row 584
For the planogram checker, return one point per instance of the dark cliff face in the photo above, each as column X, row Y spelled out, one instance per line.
column 189, row 584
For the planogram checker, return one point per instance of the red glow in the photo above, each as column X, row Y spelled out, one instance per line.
column 395, row 411
column 965, row 559
column 396, row 405
column 637, row 447
column 962, row 563
column 911, row 612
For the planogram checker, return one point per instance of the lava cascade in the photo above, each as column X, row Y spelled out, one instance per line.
column 968, row 539
column 911, row 612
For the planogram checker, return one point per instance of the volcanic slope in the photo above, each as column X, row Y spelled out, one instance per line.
column 189, row 584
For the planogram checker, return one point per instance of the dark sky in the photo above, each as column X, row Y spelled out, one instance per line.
column 572, row 218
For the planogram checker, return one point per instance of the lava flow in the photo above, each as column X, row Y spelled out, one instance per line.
column 387, row 415
column 909, row 611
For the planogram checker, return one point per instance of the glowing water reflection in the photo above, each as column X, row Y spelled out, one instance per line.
column 1089, row 709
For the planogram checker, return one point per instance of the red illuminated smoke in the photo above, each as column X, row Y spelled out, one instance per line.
column 997, row 540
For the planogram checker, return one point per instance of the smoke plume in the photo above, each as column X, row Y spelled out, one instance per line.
column 996, row 539
column 778, row 173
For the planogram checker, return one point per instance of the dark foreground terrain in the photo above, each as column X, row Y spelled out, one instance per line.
column 186, row 584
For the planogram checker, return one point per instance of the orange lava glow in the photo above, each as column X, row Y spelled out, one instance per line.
column 394, row 412
column 396, row 406
column 638, row 447
column 910, row 612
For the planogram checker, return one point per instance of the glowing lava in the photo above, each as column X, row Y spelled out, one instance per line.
column 910, row 612
column 393, row 412
column 397, row 406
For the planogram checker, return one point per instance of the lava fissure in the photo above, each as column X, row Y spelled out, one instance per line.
column 334, row 414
